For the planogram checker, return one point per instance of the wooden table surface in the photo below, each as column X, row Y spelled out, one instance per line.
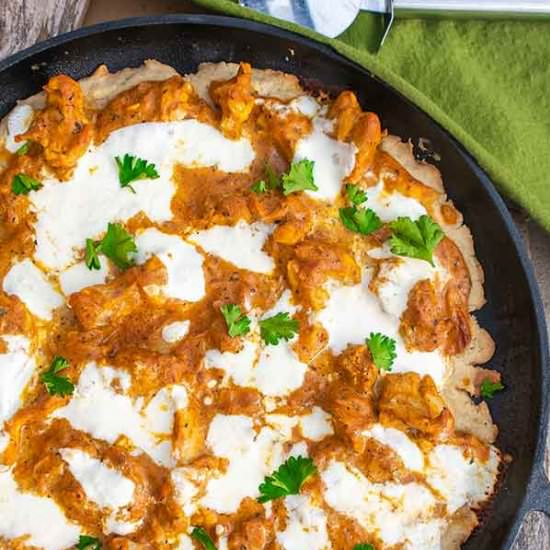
column 24, row 22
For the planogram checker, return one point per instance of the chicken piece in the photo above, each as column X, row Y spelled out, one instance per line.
column 62, row 128
column 189, row 434
column 235, row 99
column 109, row 303
column 436, row 319
column 314, row 263
column 352, row 413
column 356, row 368
column 363, row 129
column 166, row 100
column 285, row 131
column 410, row 401
column 253, row 534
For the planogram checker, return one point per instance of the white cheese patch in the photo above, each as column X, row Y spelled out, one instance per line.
column 99, row 410
column 78, row 276
column 96, row 197
column 102, row 484
column 17, row 122
column 461, row 480
column 187, row 482
column 39, row 518
column 396, row 513
column 184, row 543
column 176, row 331
column 31, row 286
column 182, row 261
column 317, row 425
column 241, row 244
column 392, row 205
column 397, row 278
column 351, row 313
column 304, row 105
column 272, row 370
column 398, row 441
column 4, row 441
column 306, row 526
column 16, row 370
column 251, row 457
column 334, row 160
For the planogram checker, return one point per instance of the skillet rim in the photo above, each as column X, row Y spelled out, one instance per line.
column 537, row 490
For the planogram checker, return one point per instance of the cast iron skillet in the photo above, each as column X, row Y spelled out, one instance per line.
column 513, row 314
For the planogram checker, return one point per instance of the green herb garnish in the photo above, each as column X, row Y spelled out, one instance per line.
column 382, row 349
column 488, row 388
column 202, row 537
column 237, row 324
column 132, row 168
column 55, row 384
column 118, row 245
column 287, row 479
column 278, row 327
column 23, row 184
column 299, row 178
column 86, row 542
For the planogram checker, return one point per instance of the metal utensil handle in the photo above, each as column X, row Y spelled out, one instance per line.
column 473, row 8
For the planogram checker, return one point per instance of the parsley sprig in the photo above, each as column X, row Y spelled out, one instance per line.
column 415, row 239
column 356, row 218
column 86, row 542
column 22, row 184
column 299, row 177
column 488, row 388
column 117, row 244
column 56, row 384
column 23, row 149
column 132, row 168
column 237, row 324
column 363, row 547
column 270, row 182
column 278, row 327
column 202, row 537
column 287, row 479
column 382, row 349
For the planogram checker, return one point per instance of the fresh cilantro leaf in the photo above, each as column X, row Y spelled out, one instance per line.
column 86, row 542
column 355, row 194
column 55, row 384
column 488, row 388
column 23, row 150
column 360, row 220
column 279, row 326
column 259, row 187
column 299, row 178
column 382, row 349
column 363, row 547
column 237, row 324
column 23, row 184
column 415, row 239
column 288, row 479
column 118, row 245
column 91, row 258
column 201, row 536
column 132, row 168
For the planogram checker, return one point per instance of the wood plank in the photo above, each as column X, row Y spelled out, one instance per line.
column 25, row 22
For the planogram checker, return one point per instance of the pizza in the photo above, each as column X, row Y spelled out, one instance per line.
column 235, row 314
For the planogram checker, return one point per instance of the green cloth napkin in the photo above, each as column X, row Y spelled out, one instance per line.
column 487, row 82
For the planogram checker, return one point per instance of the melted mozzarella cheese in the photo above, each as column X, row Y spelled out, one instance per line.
column 407, row 450
column 39, row 518
column 176, row 331
column 392, row 205
column 182, row 261
column 251, row 457
column 102, row 484
column 316, row 425
column 96, row 197
column 78, row 276
column 334, row 160
column 98, row 409
column 30, row 285
column 17, row 122
column 353, row 312
column 16, row 370
column 239, row 366
column 306, row 526
column 397, row 513
column 187, row 481
column 304, row 105
column 241, row 244
column 459, row 479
